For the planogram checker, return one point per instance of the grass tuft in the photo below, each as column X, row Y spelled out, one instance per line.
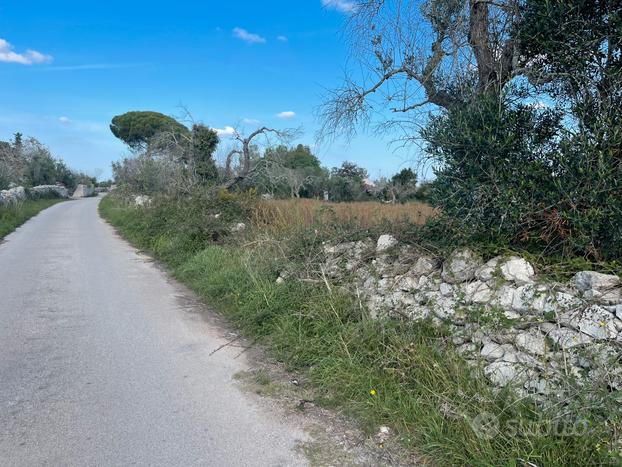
column 11, row 217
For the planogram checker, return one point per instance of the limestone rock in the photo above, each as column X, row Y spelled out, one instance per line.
column 476, row 292
column 531, row 341
column 12, row 195
column 567, row 338
column 424, row 265
column 385, row 242
column 49, row 190
column 446, row 289
column 517, row 270
column 492, row 351
column 603, row 288
column 82, row 191
column 591, row 280
column 504, row 297
column 142, row 200
column 503, row 373
column 487, row 271
column 461, row 266
column 598, row 323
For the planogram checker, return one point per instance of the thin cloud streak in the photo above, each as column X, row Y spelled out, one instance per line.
column 93, row 66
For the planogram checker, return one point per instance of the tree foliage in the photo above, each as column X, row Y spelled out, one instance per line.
column 137, row 128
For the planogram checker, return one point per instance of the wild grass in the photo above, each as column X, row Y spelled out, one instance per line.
column 308, row 212
column 11, row 217
column 397, row 373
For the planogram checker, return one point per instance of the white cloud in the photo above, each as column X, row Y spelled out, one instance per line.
column 251, row 121
column 30, row 57
column 282, row 38
column 249, row 37
column 288, row 114
column 344, row 6
column 64, row 120
column 226, row 131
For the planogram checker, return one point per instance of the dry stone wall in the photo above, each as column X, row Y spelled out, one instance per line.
column 17, row 194
column 536, row 335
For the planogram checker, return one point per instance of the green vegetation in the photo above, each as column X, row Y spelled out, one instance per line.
column 11, row 217
column 27, row 162
column 137, row 128
column 387, row 372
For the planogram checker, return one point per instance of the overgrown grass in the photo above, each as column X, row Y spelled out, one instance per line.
column 392, row 372
column 308, row 212
column 11, row 217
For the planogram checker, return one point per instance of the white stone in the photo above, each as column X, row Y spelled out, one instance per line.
column 385, row 242
column 461, row 266
column 12, row 195
column 47, row 190
column 492, row 351
column 82, row 191
column 407, row 283
column 603, row 288
column 424, row 265
column 239, row 227
column 142, row 200
column 540, row 386
column 487, row 271
column 531, row 341
column 504, row 297
column 591, row 280
column 476, row 292
column 567, row 338
column 280, row 280
column 502, row 373
column 443, row 307
column 609, row 297
column 598, row 323
column 446, row 289
column 517, row 270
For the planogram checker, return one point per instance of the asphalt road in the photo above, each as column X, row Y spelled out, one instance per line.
column 104, row 361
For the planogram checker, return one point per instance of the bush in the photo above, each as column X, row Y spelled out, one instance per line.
column 494, row 177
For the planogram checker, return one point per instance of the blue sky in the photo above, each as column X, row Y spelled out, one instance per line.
column 67, row 67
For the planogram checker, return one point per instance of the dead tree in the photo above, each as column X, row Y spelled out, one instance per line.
column 244, row 152
column 419, row 55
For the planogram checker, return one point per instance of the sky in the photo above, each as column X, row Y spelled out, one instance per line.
column 68, row 67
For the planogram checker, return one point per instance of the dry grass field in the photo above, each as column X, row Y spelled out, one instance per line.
column 307, row 212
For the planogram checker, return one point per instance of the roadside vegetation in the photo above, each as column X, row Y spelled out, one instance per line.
column 387, row 372
column 27, row 162
column 515, row 105
column 11, row 217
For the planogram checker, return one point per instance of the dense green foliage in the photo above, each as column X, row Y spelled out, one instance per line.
column 137, row 128
column 11, row 217
column 203, row 143
column 421, row 387
column 550, row 181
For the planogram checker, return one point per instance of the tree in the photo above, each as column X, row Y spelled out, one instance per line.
column 245, row 150
column 136, row 129
column 286, row 171
column 402, row 186
column 203, row 143
column 422, row 55
column 346, row 183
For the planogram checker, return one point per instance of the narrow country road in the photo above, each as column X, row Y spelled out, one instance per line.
column 104, row 363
